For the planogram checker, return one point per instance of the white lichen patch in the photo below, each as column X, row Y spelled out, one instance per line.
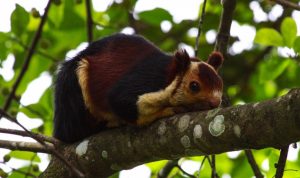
column 162, row 128
column 212, row 113
column 14, row 144
column 183, row 123
column 237, row 130
column 185, row 141
column 278, row 99
column 104, row 154
column 288, row 107
column 129, row 144
column 197, row 131
column 82, row 148
column 216, row 127
column 255, row 105
column 22, row 144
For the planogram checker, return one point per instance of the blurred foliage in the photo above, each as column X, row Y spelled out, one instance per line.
column 251, row 75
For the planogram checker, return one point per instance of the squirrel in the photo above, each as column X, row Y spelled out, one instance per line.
column 125, row 79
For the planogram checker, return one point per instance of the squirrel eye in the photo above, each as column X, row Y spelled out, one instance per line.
column 194, row 87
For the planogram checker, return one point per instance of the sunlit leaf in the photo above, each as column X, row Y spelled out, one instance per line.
column 34, row 111
column 297, row 45
column 26, row 169
column 268, row 36
column 155, row 16
column 272, row 68
column 19, row 20
column 25, row 155
column 289, row 31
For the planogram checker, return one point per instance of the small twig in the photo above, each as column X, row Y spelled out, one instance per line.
column 89, row 21
column 26, row 146
column 202, row 162
column 25, row 134
column 289, row 4
column 18, row 41
column 253, row 164
column 166, row 170
column 27, row 59
column 18, row 81
column 281, row 162
column 213, row 167
column 200, row 28
column 51, row 149
column 224, row 26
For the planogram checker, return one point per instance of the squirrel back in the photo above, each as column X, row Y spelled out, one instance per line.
column 125, row 79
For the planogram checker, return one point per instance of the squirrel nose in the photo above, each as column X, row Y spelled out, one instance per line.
column 215, row 102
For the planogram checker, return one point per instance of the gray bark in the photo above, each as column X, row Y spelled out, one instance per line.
column 273, row 123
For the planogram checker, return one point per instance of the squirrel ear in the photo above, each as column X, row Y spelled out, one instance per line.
column 183, row 60
column 215, row 59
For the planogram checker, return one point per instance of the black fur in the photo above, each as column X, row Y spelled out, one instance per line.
column 72, row 120
column 149, row 75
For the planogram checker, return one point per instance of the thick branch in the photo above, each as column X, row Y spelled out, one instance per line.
column 272, row 123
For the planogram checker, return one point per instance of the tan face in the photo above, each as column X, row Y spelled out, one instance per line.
column 200, row 88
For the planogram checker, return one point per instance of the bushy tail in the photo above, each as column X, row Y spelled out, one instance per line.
column 71, row 118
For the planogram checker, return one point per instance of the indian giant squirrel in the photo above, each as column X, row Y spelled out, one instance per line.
column 126, row 79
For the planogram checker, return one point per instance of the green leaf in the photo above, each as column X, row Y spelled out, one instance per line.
column 22, row 170
column 25, row 155
column 155, row 16
column 34, row 111
column 289, row 31
column 19, row 20
column 272, row 68
column 297, row 44
column 268, row 36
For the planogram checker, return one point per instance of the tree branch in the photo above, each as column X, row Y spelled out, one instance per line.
column 272, row 123
column 288, row 4
column 89, row 21
column 27, row 59
column 201, row 19
column 166, row 170
column 281, row 162
column 25, row 146
column 253, row 164
column 51, row 150
column 224, row 27
column 26, row 134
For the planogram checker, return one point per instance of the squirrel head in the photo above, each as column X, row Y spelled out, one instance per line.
column 197, row 84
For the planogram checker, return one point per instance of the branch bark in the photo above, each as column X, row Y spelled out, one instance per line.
column 25, row 146
column 28, row 58
column 26, row 134
column 224, row 27
column 287, row 4
column 272, row 123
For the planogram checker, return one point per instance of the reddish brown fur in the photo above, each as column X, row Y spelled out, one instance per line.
column 215, row 59
column 102, row 64
column 209, row 77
